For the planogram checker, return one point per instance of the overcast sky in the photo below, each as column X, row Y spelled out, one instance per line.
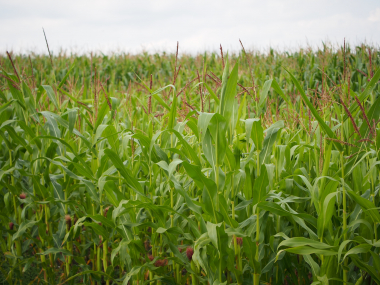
column 156, row 25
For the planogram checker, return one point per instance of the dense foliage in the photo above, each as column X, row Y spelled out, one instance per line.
column 247, row 168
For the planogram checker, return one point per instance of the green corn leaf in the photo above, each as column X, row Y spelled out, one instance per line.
column 22, row 228
column 80, row 159
column 254, row 130
column 264, row 92
column 306, row 250
column 313, row 265
column 98, row 229
column 172, row 230
column 209, row 191
column 63, row 81
column 212, row 94
column 162, row 102
column 364, row 95
column 101, row 114
column 90, row 272
column 41, row 190
column 224, row 210
column 103, row 220
column 269, row 140
column 209, row 149
column 173, row 113
column 174, row 249
column 51, row 94
column 250, row 248
column 361, row 248
column 63, row 251
column 188, row 149
column 326, row 164
column 5, row 106
column 228, row 94
column 131, row 181
column 113, row 193
column 17, row 139
column 111, row 134
column 328, row 209
column 276, row 87
column 189, row 202
column 260, row 186
column 373, row 115
column 218, row 127
column 72, row 119
column 273, row 208
column 203, row 122
column 30, row 132
column 324, row 126
column 366, row 205
column 301, row 241
column 366, row 267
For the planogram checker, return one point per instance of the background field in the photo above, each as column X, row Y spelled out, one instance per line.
column 248, row 168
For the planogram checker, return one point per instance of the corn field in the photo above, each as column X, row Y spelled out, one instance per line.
column 216, row 168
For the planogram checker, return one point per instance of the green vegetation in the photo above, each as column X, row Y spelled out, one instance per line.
column 246, row 168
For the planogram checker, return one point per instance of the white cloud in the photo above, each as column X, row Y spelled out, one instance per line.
column 197, row 24
column 374, row 16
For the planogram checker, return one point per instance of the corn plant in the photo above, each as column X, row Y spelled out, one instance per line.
column 245, row 168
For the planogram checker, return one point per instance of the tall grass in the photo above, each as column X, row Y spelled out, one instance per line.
column 244, row 168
